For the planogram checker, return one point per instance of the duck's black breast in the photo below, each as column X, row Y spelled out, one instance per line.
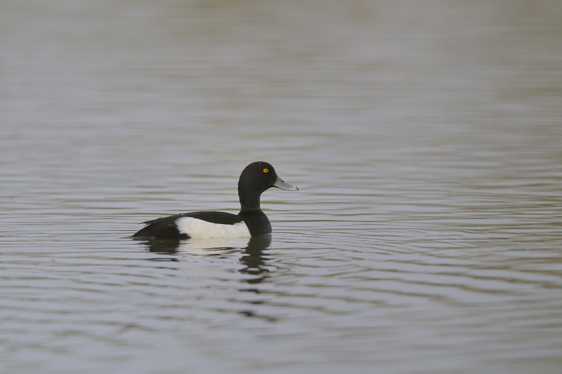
column 257, row 222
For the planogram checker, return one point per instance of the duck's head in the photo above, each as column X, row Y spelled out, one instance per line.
column 257, row 178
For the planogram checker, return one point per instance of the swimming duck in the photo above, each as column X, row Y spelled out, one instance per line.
column 250, row 222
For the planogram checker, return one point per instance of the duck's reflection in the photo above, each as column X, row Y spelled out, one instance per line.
column 252, row 257
column 254, row 260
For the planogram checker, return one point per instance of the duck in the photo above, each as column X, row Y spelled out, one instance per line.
column 251, row 221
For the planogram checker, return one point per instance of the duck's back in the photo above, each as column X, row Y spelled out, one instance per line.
column 196, row 224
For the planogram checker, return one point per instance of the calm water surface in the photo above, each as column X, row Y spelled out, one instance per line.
column 425, row 137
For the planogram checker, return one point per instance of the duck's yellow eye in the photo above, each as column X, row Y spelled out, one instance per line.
column 266, row 170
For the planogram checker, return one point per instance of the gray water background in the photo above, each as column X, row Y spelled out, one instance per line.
column 426, row 139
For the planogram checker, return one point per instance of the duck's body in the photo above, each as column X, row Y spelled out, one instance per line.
column 250, row 222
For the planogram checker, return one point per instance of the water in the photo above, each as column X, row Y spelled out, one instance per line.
column 425, row 138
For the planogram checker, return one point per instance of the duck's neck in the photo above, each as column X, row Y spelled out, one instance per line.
column 249, row 198
column 248, row 203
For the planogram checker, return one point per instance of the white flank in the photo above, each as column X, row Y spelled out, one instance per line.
column 197, row 228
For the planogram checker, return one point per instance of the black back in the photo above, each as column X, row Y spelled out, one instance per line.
column 166, row 227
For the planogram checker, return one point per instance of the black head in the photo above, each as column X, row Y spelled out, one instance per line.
column 255, row 179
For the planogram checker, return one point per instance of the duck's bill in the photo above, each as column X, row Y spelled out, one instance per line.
column 279, row 183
